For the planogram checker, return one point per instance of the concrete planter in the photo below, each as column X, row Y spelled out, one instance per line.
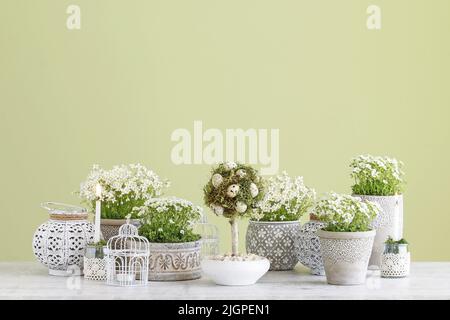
column 346, row 255
column 389, row 222
column 174, row 261
column 110, row 227
column 276, row 241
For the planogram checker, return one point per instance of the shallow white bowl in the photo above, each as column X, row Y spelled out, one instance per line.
column 235, row 273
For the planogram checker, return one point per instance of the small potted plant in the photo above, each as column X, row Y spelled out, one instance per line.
column 346, row 241
column 274, row 227
column 380, row 180
column 233, row 191
column 396, row 259
column 123, row 188
column 174, row 247
column 95, row 261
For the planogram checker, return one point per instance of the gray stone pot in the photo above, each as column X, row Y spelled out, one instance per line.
column 277, row 241
column 346, row 255
column 389, row 222
column 110, row 227
column 309, row 254
column 174, row 261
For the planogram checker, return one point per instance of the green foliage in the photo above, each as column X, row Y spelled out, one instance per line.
column 389, row 240
column 344, row 213
column 377, row 176
column 168, row 220
column 246, row 178
column 100, row 244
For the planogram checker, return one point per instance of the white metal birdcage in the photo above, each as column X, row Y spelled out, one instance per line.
column 209, row 237
column 127, row 258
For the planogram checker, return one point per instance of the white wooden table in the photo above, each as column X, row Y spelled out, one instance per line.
column 29, row 280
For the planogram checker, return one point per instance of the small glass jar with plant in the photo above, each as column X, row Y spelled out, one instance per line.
column 233, row 192
column 274, row 227
column 346, row 240
column 395, row 260
column 175, row 248
column 381, row 180
column 124, row 187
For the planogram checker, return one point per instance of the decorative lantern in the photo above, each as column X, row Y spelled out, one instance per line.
column 60, row 243
column 95, row 263
column 395, row 260
column 127, row 257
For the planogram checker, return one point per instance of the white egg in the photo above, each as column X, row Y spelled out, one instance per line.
column 230, row 165
column 232, row 190
column 241, row 207
column 218, row 210
column 241, row 173
column 254, row 190
column 216, row 180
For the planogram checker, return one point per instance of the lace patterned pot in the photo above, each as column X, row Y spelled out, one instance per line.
column 346, row 255
column 95, row 263
column 60, row 243
column 276, row 241
column 174, row 261
column 388, row 223
column 110, row 227
column 309, row 247
column 395, row 261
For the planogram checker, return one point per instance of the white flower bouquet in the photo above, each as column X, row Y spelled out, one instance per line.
column 168, row 220
column 377, row 176
column 345, row 213
column 123, row 188
column 286, row 199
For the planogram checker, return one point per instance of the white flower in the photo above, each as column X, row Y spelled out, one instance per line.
column 160, row 229
column 171, row 221
column 182, row 231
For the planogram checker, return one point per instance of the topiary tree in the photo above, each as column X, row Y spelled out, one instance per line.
column 233, row 191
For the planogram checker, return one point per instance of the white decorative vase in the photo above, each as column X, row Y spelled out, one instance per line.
column 346, row 255
column 235, row 273
column 60, row 243
column 388, row 223
column 174, row 261
column 276, row 241
column 395, row 261
column 309, row 248
column 95, row 263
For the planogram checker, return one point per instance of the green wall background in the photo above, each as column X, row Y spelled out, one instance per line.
column 114, row 91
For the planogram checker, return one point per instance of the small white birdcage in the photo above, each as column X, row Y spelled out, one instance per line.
column 127, row 258
column 209, row 237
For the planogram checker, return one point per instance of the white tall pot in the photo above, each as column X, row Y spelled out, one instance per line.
column 388, row 223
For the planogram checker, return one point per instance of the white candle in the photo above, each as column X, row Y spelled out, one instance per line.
column 98, row 206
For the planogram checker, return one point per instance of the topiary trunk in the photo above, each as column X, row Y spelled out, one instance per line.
column 234, row 236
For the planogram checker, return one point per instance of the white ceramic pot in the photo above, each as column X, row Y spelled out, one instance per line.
column 346, row 255
column 388, row 223
column 235, row 273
